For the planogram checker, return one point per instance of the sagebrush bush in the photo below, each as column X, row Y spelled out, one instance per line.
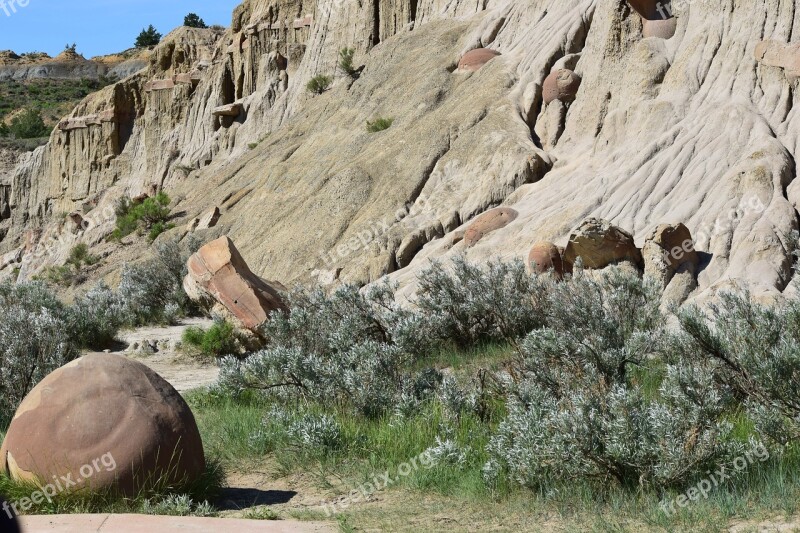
column 34, row 340
column 593, row 401
column 152, row 290
column 349, row 348
column 95, row 318
column 468, row 304
column 753, row 351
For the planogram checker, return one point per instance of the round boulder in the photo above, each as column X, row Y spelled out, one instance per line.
column 490, row 221
column 475, row 59
column 662, row 29
column 546, row 257
column 105, row 422
column 561, row 84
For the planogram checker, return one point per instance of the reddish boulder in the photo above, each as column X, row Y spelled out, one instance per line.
column 475, row 59
column 599, row 244
column 109, row 423
column 545, row 257
column 490, row 221
column 219, row 276
column 561, row 84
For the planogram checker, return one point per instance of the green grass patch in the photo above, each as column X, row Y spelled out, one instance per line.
column 218, row 340
column 379, row 124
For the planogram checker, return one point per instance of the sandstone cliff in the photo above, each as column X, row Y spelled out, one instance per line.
column 689, row 129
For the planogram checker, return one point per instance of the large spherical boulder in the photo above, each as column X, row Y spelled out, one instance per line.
column 546, row 257
column 475, row 59
column 662, row 29
column 561, row 84
column 108, row 423
column 650, row 9
column 490, row 221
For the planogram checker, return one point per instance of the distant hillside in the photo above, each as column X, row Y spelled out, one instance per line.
column 70, row 65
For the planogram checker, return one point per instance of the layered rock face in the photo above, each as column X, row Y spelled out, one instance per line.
column 693, row 124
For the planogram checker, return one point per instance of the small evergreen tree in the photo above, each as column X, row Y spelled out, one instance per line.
column 148, row 37
column 4, row 131
column 29, row 125
column 192, row 20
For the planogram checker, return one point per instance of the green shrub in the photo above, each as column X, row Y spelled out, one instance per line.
column 319, row 84
column 95, row 318
column 5, row 131
column 220, row 339
column 346, row 56
column 79, row 255
column 29, row 125
column 379, row 124
column 150, row 215
column 467, row 304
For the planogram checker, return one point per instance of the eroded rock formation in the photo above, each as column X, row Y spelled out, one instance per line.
column 700, row 128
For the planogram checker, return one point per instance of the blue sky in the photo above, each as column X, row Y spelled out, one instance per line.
column 98, row 27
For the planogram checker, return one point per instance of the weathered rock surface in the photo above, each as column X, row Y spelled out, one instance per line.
column 111, row 413
column 599, row 243
column 219, row 276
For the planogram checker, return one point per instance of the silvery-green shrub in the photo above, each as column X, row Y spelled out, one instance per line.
column 594, row 401
column 152, row 290
column 34, row 340
column 753, row 350
column 95, row 318
column 466, row 303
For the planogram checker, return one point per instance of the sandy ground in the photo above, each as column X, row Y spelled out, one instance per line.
column 181, row 370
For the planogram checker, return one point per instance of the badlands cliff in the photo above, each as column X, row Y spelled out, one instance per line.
column 689, row 120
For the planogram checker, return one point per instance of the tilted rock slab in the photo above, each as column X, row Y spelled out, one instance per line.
column 109, row 414
column 219, row 275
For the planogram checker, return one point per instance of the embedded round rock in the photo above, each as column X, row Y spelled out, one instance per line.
column 662, row 29
column 599, row 244
column 561, row 84
column 106, row 422
column 546, row 257
column 475, row 59
column 490, row 221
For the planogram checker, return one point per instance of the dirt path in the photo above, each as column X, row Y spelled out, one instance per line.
column 160, row 349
